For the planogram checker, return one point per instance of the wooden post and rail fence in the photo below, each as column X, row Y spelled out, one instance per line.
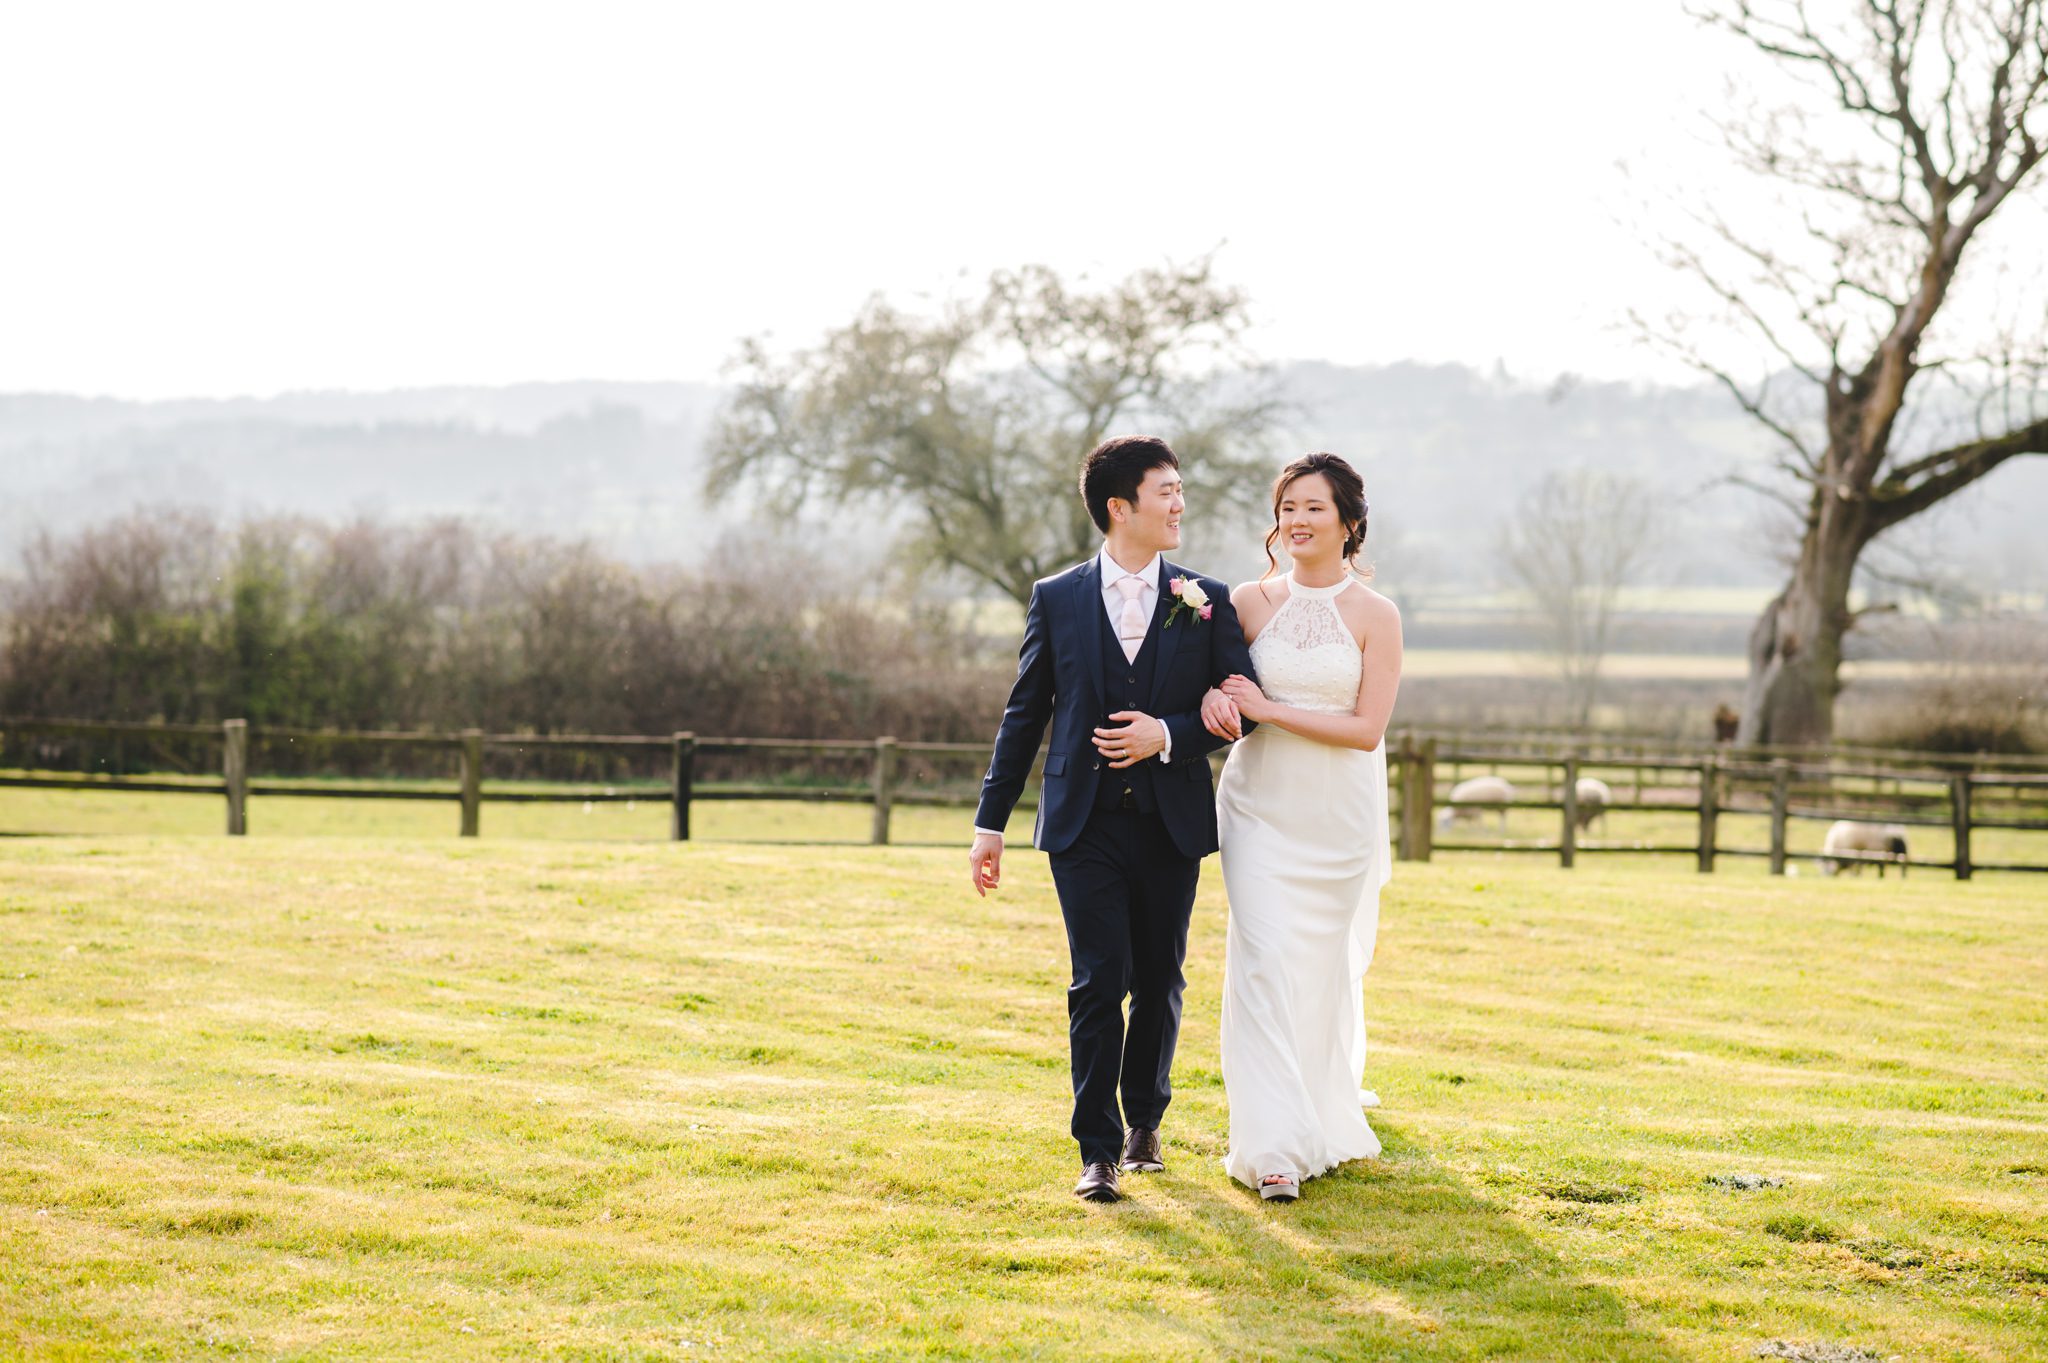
column 1779, row 785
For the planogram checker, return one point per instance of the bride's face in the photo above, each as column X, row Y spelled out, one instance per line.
column 1310, row 527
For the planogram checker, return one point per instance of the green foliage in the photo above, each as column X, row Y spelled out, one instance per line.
column 289, row 622
column 970, row 425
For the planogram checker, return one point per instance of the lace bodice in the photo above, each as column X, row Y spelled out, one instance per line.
column 1306, row 654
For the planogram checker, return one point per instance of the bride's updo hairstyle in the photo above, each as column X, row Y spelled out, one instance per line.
column 1347, row 492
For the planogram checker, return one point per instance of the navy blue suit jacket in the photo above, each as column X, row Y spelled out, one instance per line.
column 1059, row 682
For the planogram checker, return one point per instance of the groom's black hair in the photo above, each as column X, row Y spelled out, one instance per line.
column 1116, row 467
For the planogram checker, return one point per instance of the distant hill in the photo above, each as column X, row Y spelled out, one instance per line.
column 1446, row 451
column 618, row 462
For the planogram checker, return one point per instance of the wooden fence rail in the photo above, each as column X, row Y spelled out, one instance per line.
column 1781, row 786
column 882, row 791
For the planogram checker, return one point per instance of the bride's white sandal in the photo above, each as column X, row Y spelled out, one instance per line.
column 1279, row 1187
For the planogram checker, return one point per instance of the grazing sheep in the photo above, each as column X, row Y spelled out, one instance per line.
column 1886, row 840
column 1472, row 798
column 1594, row 797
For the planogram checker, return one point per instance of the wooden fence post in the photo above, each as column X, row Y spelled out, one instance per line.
column 472, row 780
column 1418, row 797
column 1959, row 800
column 885, row 783
column 681, row 771
column 1568, row 844
column 1781, row 791
column 234, row 769
column 1710, row 810
column 1423, row 791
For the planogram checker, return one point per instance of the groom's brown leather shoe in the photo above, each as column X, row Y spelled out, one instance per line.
column 1141, row 1151
column 1098, row 1184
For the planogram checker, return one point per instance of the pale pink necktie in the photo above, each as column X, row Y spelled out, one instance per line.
column 1130, row 626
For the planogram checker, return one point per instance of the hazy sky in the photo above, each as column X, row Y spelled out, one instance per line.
column 211, row 199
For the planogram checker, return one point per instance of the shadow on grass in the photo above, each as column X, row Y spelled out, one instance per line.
column 1392, row 1258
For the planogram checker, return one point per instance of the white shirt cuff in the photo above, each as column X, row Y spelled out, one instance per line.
column 1166, row 753
column 989, row 832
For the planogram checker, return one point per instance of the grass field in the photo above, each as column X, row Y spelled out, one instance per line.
column 378, row 1096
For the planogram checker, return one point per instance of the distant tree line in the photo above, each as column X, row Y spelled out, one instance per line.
column 177, row 616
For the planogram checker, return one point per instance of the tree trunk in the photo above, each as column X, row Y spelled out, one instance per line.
column 1795, row 650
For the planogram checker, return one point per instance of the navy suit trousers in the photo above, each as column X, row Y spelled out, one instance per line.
column 1126, row 892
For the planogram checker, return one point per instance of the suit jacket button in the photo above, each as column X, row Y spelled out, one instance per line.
column 1096, row 765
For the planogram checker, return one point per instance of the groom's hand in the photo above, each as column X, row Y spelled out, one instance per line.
column 985, row 861
column 1140, row 736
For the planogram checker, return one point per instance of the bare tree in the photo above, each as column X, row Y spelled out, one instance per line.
column 1921, row 121
column 1572, row 545
column 974, row 422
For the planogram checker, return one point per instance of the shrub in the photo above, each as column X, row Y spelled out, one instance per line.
column 440, row 626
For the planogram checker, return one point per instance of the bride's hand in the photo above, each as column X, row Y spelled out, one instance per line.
column 1250, row 701
column 1219, row 716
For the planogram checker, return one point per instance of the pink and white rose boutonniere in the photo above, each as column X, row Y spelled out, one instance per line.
column 1189, row 597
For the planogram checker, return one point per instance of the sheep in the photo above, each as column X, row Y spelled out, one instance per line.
column 1471, row 798
column 1879, row 842
column 1594, row 797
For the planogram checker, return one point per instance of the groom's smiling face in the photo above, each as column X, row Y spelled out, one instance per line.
column 1153, row 521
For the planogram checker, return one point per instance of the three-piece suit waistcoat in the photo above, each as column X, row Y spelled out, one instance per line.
column 1127, row 685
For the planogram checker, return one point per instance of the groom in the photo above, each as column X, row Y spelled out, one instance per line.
column 1118, row 653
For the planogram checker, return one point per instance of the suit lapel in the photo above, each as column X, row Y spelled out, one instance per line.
column 1087, row 619
column 1169, row 639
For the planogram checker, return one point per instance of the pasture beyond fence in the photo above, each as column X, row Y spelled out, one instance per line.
column 1964, row 794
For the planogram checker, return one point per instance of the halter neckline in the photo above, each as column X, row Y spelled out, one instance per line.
column 1296, row 588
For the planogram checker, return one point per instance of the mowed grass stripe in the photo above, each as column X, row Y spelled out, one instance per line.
column 334, row 1097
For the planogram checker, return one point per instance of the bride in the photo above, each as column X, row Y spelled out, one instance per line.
column 1302, row 814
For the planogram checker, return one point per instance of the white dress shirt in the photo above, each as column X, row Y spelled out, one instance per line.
column 1113, row 600
column 1113, row 607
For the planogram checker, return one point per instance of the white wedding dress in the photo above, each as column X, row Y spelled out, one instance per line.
column 1305, row 851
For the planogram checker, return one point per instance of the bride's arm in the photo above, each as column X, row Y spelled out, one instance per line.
column 1220, row 715
column 1366, row 725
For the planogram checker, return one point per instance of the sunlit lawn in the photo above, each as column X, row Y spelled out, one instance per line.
column 388, row 1095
